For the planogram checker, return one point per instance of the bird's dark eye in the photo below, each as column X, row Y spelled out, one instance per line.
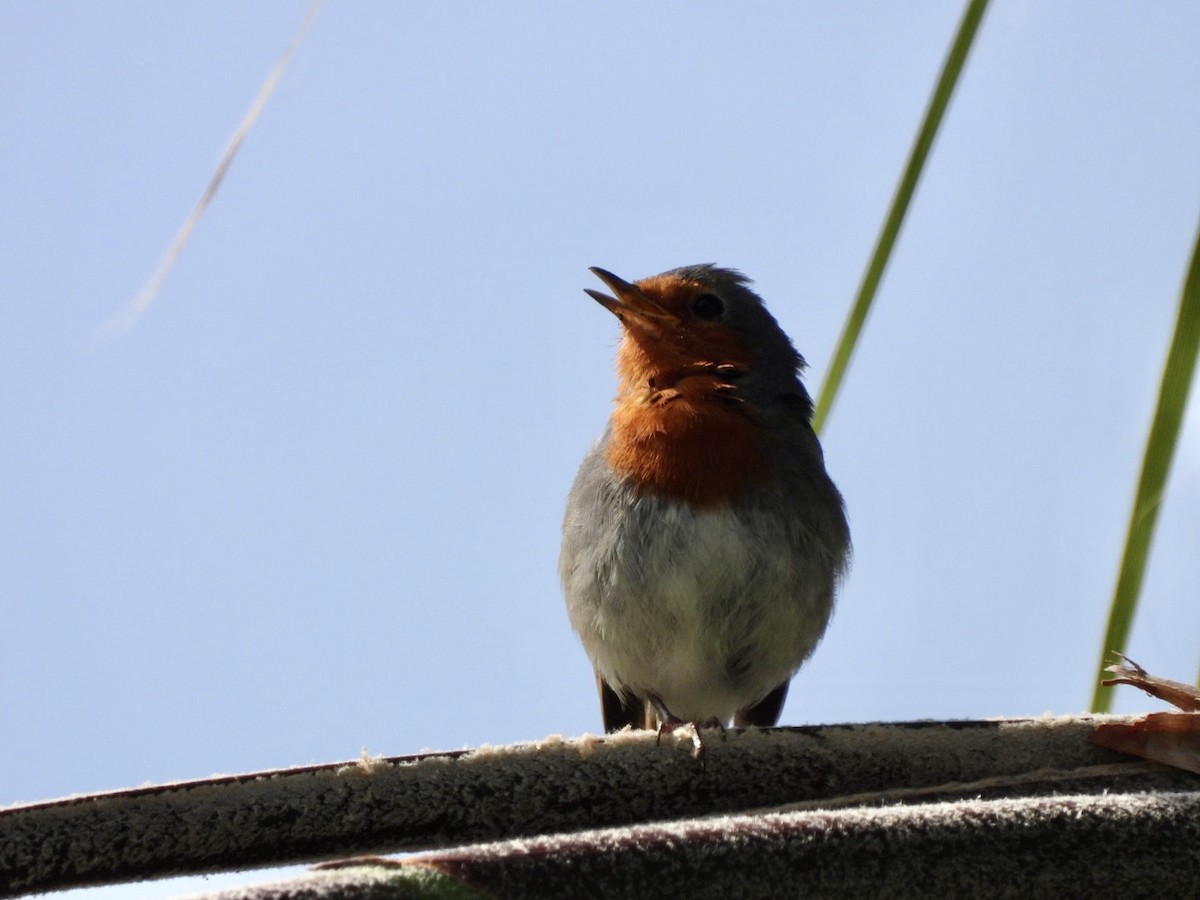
column 708, row 306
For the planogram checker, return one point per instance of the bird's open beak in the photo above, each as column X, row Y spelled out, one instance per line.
column 630, row 305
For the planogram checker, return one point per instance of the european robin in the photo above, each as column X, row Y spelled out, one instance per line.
column 703, row 540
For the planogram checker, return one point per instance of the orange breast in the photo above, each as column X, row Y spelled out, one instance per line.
column 692, row 442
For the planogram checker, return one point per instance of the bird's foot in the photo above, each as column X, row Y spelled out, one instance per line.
column 669, row 723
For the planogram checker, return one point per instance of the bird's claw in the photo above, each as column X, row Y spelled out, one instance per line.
column 669, row 723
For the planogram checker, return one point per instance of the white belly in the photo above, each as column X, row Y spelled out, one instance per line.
column 709, row 610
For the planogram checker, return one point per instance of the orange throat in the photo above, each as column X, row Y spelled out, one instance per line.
column 693, row 441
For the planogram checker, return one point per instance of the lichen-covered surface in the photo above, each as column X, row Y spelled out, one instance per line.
column 821, row 808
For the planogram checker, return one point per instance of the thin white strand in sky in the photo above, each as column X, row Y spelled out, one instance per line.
column 127, row 318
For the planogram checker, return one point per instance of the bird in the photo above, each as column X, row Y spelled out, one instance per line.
column 703, row 540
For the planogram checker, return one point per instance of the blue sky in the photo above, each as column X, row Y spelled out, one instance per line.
column 310, row 502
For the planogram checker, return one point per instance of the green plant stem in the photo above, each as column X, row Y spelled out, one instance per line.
column 895, row 217
column 1156, row 466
